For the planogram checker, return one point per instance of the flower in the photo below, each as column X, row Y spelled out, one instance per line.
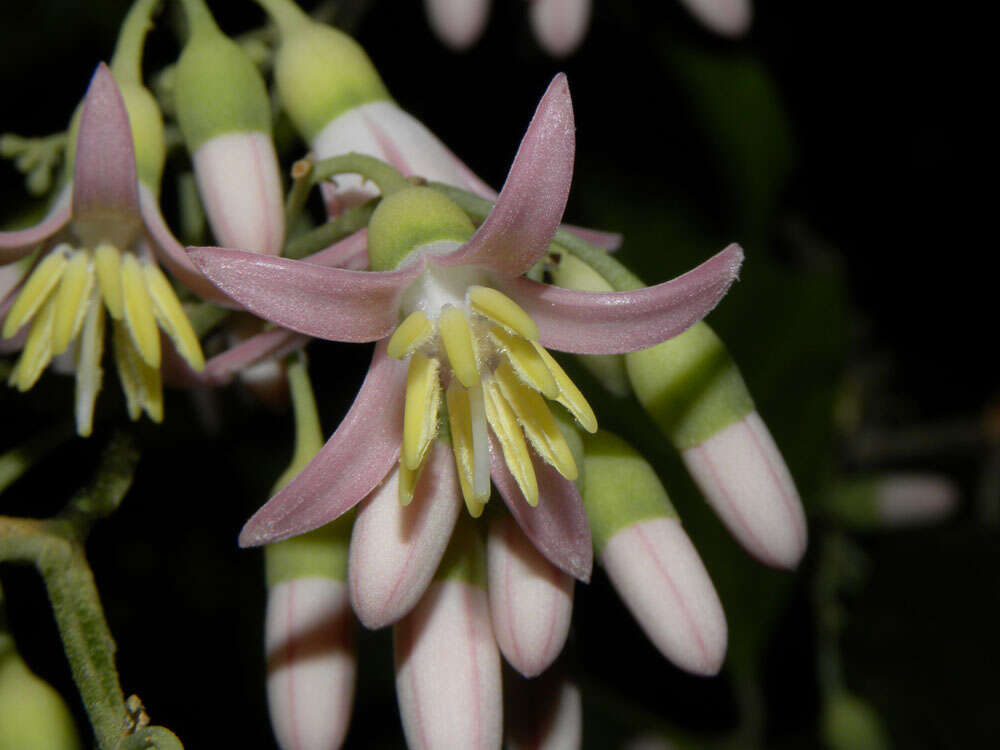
column 472, row 326
column 97, row 247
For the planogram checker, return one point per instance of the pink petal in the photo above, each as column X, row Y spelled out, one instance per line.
column 524, row 219
column 744, row 478
column 661, row 579
column 354, row 460
column 350, row 252
column 328, row 303
column 609, row 241
column 275, row 343
column 20, row 242
column 531, row 600
column 617, row 322
column 395, row 549
column 311, row 666
column 448, row 671
column 725, row 17
column 171, row 253
column 105, row 185
column 557, row 526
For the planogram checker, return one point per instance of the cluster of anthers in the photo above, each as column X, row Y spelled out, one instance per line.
column 482, row 351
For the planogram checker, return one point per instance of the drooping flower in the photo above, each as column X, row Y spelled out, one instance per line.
column 454, row 304
column 96, row 253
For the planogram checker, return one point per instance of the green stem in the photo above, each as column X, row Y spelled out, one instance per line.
column 285, row 13
column 386, row 178
column 126, row 63
column 18, row 460
column 308, row 432
column 199, row 18
column 302, row 183
column 326, row 234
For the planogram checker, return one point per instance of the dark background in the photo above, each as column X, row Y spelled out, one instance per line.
column 841, row 144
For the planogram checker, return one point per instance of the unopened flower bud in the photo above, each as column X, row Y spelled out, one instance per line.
column 849, row 723
column 559, row 25
column 890, row 500
column 725, row 17
column 396, row 548
column 544, row 714
column 648, row 556
column 225, row 115
column 531, row 600
column 693, row 389
column 447, row 663
column 458, row 23
column 32, row 713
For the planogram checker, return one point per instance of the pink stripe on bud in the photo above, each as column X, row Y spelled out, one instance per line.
column 559, row 25
column 458, row 23
column 309, row 638
column 744, row 478
column 448, row 671
column 903, row 499
column 240, row 185
column 531, row 600
column 661, row 579
column 395, row 549
column 725, row 17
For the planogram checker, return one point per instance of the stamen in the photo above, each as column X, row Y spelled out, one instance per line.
column 107, row 261
column 88, row 365
column 463, row 447
column 526, row 361
column 74, row 287
column 141, row 383
column 409, row 335
column 538, row 423
column 36, row 291
column 508, row 432
column 139, row 311
column 501, row 309
column 171, row 316
column 480, row 444
column 407, row 483
column 457, row 341
column 569, row 395
column 37, row 352
column 423, row 398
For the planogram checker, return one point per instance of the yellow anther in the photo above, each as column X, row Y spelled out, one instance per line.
column 139, row 311
column 35, row 292
column 72, row 299
column 539, row 425
column 454, row 330
column 501, row 309
column 37, row 352
column 88, row 366
column 409, row 335
column 107, row 262
column 407, row 483
column 526, row 361
column 423, row 398
column 171, row 316
column 569, row 395
column 515, row 450
column 460, row 421
column 141, row 383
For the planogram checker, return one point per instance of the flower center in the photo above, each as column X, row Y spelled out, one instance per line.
column 475, row 345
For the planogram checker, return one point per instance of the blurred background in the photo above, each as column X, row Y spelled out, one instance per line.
column 839, row 144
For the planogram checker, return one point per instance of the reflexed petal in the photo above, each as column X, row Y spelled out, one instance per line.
column 329, row 303
column 350, row 252
column 354, row 460
column 105, row 185
column 558, row 525
column 20, row 242
column 311, row 666
column 531, row 600
column 275, row 343
column 618, row 322
column 448, row 671
column 726, row 17
column 524, row 219
column 395, row 549
column 741, row 472
column 657, row 572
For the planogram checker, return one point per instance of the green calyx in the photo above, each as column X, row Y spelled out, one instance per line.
column 217, row 88
column 854, row 503
column 320, row 72
column 465, row 558
column 619, row 487
column 317, row 554
column 411, row 218
column 32, row 713
column 690, row 386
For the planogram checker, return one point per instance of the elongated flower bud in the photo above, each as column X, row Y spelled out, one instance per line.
column 396, row 548
column 693, row 389
column 32, row 713
column 725, row 17
column 225, row 116
column 447, row 663
column 559, row 25
column 648, row 557
column 531, row 600
column 850, row 723
column 890, row 500
column 458, row 23
column 545, row 714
